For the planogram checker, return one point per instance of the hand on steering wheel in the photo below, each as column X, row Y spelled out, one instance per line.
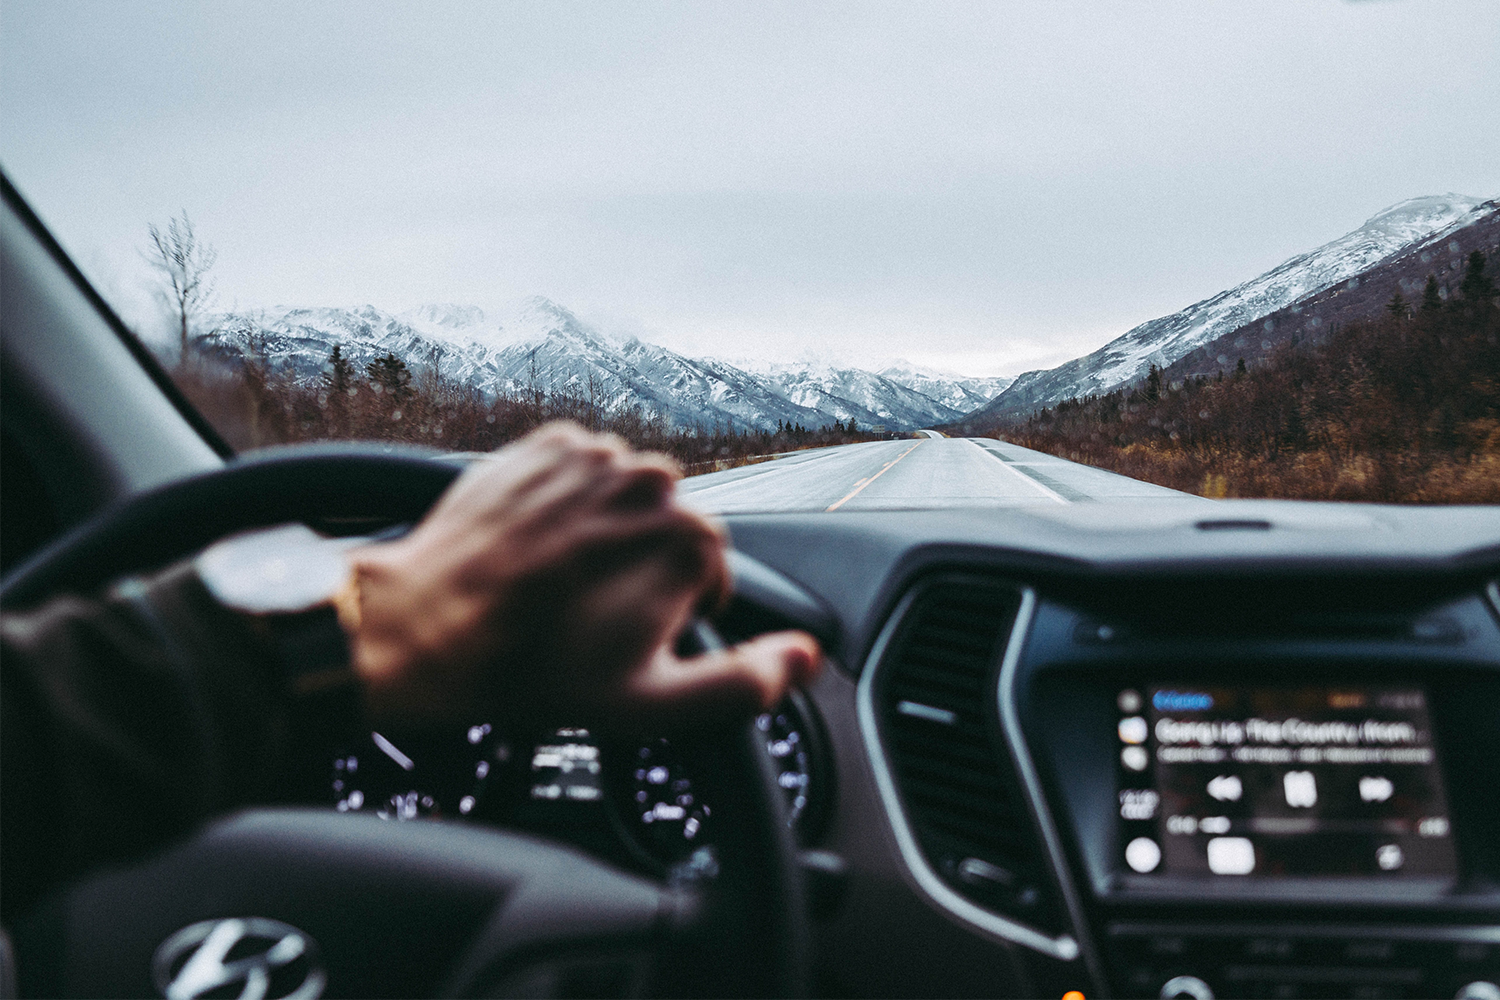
column 550, row 581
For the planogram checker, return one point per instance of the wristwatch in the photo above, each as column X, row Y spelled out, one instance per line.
column 299, row 594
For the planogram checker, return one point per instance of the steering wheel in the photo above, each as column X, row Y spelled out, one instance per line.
column 306, row 901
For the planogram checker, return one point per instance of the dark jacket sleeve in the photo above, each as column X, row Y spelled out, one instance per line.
column 127, row 719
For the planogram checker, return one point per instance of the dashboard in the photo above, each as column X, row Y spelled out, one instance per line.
column 1123, row 751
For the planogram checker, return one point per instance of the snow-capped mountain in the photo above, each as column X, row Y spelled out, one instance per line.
column 1442, row 256
column 1163, row 341
column 541, row 345
column 868, row 398
column 958, row 392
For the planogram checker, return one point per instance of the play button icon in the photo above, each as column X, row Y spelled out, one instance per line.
column 1226, row 788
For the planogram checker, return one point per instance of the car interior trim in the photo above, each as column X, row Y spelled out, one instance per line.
column 1063, row 947
column 1480, row 935
column 1010, row 725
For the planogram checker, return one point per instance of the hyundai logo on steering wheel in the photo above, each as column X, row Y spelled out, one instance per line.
column 264, row 959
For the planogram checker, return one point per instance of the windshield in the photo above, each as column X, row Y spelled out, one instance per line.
column 831, row 257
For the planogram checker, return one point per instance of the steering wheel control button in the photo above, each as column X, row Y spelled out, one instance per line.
column 1189, row 987
column 247, row 957
column 1143, row 855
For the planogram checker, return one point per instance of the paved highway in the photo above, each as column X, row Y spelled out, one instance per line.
column 925, row 472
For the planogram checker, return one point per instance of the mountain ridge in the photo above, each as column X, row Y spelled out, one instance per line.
column 541, row 345
column 1167, row 339
column 1314, row 317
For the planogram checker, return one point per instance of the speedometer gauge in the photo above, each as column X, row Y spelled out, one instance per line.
column 670, row 817
column 788, row 747
column 663, row 808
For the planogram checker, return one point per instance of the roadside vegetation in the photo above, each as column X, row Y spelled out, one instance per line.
column 1401, row 409
column 253, row 406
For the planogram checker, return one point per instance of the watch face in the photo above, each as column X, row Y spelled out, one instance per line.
column 275, row 571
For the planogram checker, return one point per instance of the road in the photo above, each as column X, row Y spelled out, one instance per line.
column 925, row 472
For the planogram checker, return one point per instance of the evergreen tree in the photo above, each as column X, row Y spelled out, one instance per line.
column 338, row 386
column 1153, row 384
column 1432, row 298
column 1476, row 288
column 391, row 375
column 339, row 378
column 1398, row 307
column 1239, row 368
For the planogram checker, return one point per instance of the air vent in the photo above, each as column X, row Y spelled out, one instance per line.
column 935, row 696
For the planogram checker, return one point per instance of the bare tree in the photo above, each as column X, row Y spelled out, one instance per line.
column 184, row 262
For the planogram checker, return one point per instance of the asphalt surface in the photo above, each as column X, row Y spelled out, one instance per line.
column 916, row 473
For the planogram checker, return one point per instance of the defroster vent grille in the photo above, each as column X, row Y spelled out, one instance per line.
column 939, row 719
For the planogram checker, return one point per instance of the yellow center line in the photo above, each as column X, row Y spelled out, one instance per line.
column 866, row 482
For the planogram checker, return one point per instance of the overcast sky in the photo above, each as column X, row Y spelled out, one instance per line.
column 985, row 187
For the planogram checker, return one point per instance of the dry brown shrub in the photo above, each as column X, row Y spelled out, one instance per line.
column 253, row 407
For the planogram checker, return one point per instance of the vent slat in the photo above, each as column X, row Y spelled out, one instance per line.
column 934, row 671
column 953, row 775
column 959, row 743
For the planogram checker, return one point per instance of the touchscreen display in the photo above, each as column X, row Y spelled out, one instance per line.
column 1277, row 781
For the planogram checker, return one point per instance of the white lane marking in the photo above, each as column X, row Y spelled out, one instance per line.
column 1019, row 474
column 866, row 482
column 779, row 467
column 1031, row 459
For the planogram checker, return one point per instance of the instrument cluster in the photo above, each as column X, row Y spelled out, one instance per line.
column 638, row 799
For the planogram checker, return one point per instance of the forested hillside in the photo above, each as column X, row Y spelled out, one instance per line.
column 254, row 404
column 1404, row 409
column 1443, row 258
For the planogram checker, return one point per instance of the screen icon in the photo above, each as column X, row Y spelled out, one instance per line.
column 1134, row 757
column 1133, row 729
column 1214, row 824
column 1301, row 789
column 1432, row 826
column 1389, row 857
column 1226, row 788
column 1231, row 856
column 1138, row 803
column 1375, row 789
column 1143, row 855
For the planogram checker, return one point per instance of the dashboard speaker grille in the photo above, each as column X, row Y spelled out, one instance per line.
column 939, row 721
